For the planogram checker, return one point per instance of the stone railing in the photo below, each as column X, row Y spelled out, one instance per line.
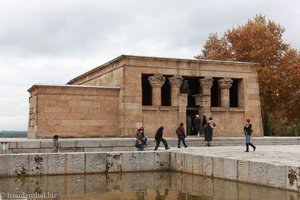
column 24, row 145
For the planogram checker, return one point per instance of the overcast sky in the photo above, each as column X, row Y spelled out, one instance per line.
column 51, row 42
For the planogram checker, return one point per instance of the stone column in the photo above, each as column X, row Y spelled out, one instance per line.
column 225, row 84
column 206, row 84
column 156, row 82
column 175, row 83
column 183, row 101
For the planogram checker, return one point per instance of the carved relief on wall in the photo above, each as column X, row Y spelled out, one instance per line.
column 225, row 83
column 157, row 80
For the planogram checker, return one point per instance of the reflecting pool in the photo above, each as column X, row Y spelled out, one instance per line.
column 139, row 186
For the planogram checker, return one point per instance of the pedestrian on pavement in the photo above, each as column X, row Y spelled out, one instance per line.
column 248, row 131
column 208, row 133
column 159, row 138
column 181, row 135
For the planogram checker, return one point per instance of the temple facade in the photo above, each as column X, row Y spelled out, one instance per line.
column 128, row 92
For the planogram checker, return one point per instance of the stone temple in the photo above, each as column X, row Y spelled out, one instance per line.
column 128, row 92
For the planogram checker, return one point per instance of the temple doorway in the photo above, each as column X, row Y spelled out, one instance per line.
column 191, row 113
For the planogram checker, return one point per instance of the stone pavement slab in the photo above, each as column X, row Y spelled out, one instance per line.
column 277, row 154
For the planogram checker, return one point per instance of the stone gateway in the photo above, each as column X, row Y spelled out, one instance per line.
column 128, row 92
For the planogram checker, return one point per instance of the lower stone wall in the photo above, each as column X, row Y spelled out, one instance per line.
column 78, row 163
column 262, row 173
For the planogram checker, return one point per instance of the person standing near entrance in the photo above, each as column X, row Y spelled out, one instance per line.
column 181, row 135
column 159, row 138
column 203, row 124
column 248, row 131
column 212, row 123
column 197, row 123
column 189, row 125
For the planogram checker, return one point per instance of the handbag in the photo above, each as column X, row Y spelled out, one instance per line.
column 137, row 143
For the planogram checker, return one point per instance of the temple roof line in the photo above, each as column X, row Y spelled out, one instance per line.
column 163, row 59
column 75, row 86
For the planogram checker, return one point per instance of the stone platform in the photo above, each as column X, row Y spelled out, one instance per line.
column 276, row 165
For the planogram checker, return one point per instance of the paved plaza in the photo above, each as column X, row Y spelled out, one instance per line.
column 277, row 154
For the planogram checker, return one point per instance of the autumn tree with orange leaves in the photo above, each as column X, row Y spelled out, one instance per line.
column 260, row 40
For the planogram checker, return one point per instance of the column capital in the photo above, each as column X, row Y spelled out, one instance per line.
column 157, row 80
column 225, row 83
column 206, row 82
column 175, row 81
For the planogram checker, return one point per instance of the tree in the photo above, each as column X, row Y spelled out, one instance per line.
column 260, row 41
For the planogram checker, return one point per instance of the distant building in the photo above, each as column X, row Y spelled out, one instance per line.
column 128, row 92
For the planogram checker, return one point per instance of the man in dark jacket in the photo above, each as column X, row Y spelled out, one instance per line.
column 159, row 138
column 181, row 135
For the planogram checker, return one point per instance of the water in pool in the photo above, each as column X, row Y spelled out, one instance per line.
column 139, row 186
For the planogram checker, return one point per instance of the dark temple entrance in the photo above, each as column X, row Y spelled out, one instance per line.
column 191, row 86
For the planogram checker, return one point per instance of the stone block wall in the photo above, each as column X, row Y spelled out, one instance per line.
column 251, row 171
column 78, row 163
column 73, row 111
column 256, row 172
column 154, row 118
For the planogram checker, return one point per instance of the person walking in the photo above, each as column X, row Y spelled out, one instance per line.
column 248, row 131
column 139, row 140
column 55, row 145
column 208, row 133
column 181, row 135
column 159, row 138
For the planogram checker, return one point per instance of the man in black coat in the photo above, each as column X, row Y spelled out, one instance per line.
column 159, row 138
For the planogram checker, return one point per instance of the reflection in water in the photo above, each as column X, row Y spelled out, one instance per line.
column 139, row 186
